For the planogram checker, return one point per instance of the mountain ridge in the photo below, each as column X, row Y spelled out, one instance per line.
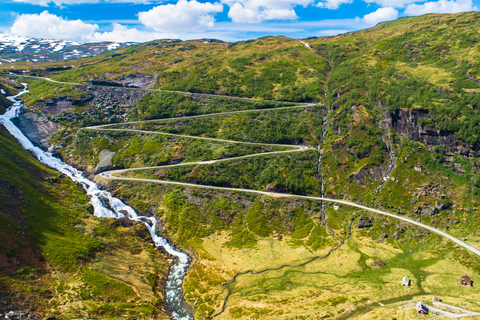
column 20, row 48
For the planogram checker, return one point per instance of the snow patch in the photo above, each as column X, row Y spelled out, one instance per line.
column 113, row 46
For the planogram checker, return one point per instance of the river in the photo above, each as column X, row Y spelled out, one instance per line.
column 106, row 205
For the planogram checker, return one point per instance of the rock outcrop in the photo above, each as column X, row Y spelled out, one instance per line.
column 105, row 161
column 37, row 128
column 129, row 81
column 404, row 122
column 374, row 172
column 364, row 223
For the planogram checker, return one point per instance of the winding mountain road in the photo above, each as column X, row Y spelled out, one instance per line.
column 112, row 174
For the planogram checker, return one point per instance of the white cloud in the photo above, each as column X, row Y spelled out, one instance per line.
column 238, row 13
column 332, row 4
column 255, row 11
column 331, row 32
column 382, row 14
column 392, row 3
column 184, row 15
column 441, row 6
column 121, row 33
column 46, row 25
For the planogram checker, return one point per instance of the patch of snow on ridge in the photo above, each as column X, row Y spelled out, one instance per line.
column 59, row 47
column 113, row 46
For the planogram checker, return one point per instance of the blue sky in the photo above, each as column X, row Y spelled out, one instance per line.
column 229, row 20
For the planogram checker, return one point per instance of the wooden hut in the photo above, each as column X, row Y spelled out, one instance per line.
column 421, row 308
column 465, row 281
column 406, row 281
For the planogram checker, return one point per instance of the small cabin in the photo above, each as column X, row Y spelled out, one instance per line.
column 421, row 308
column 465, row 281
column 406, row 281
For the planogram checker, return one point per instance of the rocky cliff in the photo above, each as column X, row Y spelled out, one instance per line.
column 404, row 122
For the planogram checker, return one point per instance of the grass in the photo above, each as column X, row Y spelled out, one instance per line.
column 340, row 287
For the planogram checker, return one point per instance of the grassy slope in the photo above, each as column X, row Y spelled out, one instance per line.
column 56, row 254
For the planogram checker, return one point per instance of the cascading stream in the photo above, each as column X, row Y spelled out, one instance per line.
column 389, row 168
column 106, row 205
column 319, row 169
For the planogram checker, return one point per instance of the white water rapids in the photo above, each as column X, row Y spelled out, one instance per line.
column 106, row 205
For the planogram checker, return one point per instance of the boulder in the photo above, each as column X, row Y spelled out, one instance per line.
column 429, row 211
column 105, row 161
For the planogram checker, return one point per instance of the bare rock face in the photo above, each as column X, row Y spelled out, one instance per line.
column 105, row 161
column 139, row 81
column 37, row 128
column 376, row 173
column 56, row 105
column 404, row 122
column 129, row 81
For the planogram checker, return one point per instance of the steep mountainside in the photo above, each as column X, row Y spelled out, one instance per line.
column 386, row 117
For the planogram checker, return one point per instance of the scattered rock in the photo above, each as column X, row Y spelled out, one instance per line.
column 364, row 223
column 379, row 263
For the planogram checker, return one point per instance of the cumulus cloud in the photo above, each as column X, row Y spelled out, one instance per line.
column 382, row 14
column 392, row 3
column 46, row 25
column 441, row 6
column 255, row 11
column 332, row 4
column 184, row 15
column 238, row 13
column 121, row 33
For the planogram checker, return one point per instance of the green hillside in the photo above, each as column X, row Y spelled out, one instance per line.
column 59, row 260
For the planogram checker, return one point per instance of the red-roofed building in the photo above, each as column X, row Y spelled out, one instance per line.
column 421, row 308
column 465, row 281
